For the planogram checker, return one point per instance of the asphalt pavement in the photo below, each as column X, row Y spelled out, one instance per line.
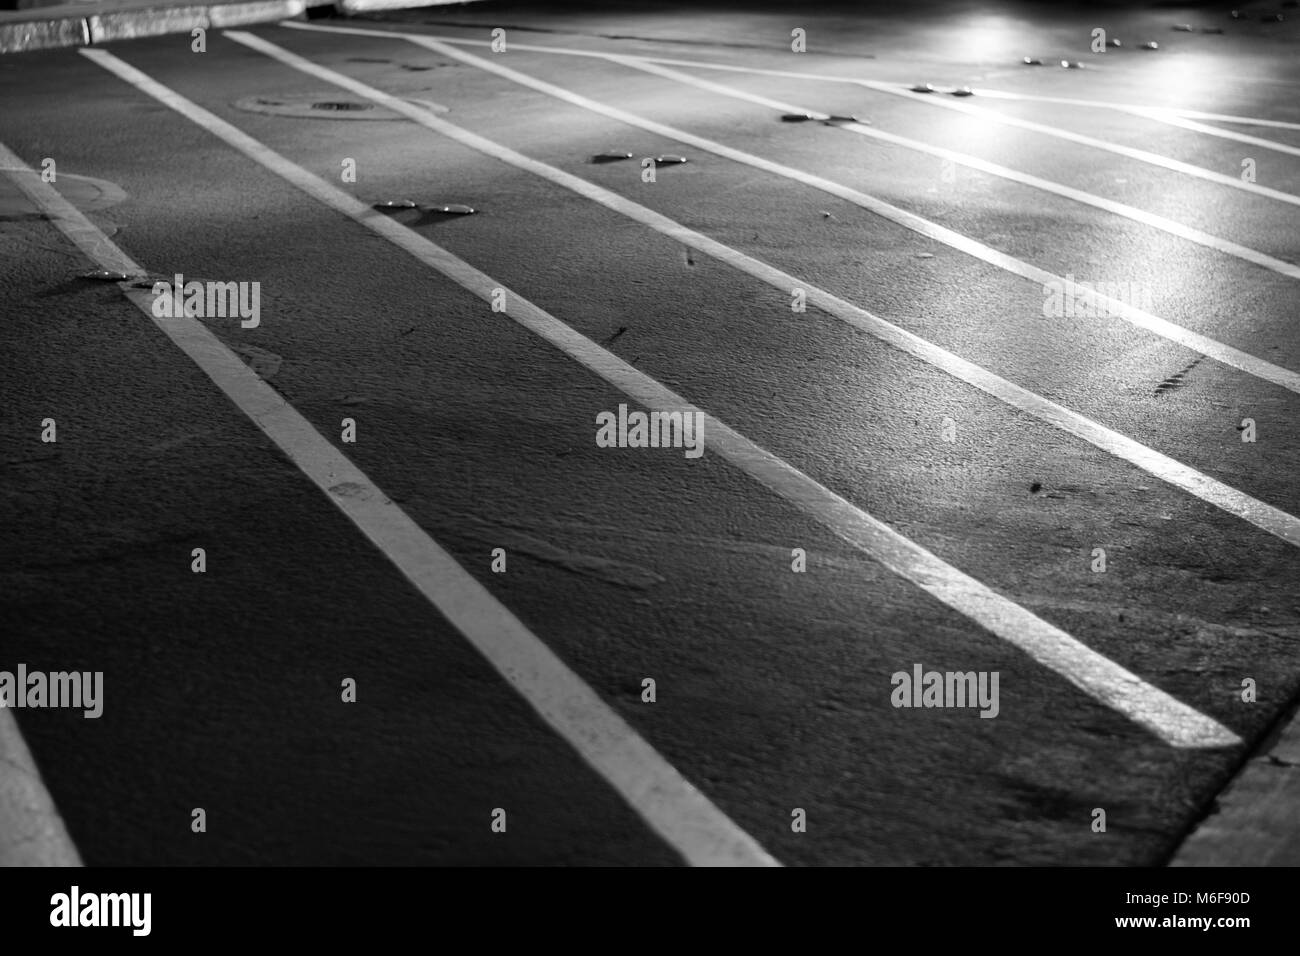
column 431, row 597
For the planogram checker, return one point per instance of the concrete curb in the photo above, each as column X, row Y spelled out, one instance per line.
column 1255, row 820
column 53, row 33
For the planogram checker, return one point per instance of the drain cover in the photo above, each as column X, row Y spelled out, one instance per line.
column 340, row 105
column 325, row 105
column 85, row 192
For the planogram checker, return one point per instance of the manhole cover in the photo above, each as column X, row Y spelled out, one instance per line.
column 326, row 105
column 85, row 192
column 340, row 106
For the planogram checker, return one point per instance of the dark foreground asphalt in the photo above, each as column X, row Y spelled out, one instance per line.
column 773, row 687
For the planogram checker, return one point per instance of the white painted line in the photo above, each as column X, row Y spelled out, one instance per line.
column 1185, row 123
column 31, row 831
column 1129, row 152
column 1262, row 515
column 816, row 77
column 672, row 807
column 1094, row 674
column 972, row 162
column 1219, row 351
column 1138, row 108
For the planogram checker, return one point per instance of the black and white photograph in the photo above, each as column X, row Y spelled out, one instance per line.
column 633, row 434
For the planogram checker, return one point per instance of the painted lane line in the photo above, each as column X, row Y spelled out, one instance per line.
column 1242, row 361
column 981, row 92
column 1262, row 515
column 681, row 815
column 1139, row 108
column 1104, row 680
column 1136, row 109
column 973, row 162
column 1129, row 152
column 1184, row 123
column 31, row 831
column 1169, row 115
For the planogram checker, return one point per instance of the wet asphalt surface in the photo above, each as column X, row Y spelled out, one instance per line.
column 222, row 688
